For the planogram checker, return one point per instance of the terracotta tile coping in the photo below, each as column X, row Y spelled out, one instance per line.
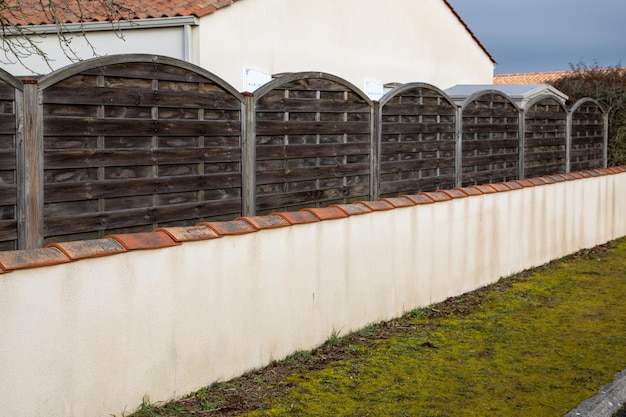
column 164, row 237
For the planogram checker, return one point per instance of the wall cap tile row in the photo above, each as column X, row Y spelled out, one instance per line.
column 64, row 252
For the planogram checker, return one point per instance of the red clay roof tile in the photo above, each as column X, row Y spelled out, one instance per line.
column 31, row 258
column 189, row 233
column 82, row 249
column 92, row 11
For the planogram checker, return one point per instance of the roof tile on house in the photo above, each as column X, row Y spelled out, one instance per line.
column 33, row 12
column 529, row 77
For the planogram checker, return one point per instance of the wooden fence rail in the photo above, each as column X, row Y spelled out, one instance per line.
column 132, row 142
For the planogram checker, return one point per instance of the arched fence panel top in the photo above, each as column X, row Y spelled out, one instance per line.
column 140, row 66
column 10, row 80
column 311, row 81
column 546, row 103
column 489, row 99
column 589, row 135
column 137, row 142
column 588, row 103
column 421, row 90
column 314, row 139
column 417, row 140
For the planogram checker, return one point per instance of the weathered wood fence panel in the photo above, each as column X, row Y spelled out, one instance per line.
column 132, row 145
column 588, row 124
column 313, row 143
column 545, row 127
column 128, row 143
column 490, row 139
column 10, row 104
column 417, row 141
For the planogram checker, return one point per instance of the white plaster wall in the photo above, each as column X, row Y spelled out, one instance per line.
column 393, row 41
column 93, row 337
column 160, row 41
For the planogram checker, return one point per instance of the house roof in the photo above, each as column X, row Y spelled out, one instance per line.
column 32, row 12
column 529, row 77
column 519, row 93
column 80, row 12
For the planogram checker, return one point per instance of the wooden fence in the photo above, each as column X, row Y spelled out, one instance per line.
column 131, row 142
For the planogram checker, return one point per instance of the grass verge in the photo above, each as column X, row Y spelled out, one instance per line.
column 534, row 344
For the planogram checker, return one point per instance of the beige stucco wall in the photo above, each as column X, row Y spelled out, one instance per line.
column 392, row 41
column 93, row 337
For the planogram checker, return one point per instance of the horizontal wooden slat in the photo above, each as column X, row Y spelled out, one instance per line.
column 57, row 192
column 140, row 216
column 139, row 97
column 534, row 115
column 488, row 128
column 415, row 165
column 57, row 126
column 8, row 195
column 149, row 70
column 300, row 174
column 8, row 231
column 7, row 159
column 313, row 84
column 264, row 152
column 421, row 146
column 537, row 142
column 488, row 144
column 470, row 112
column 305, row 128
column 415, row 128
column 596, row 141
column 127, row 157
column 285, row 104
column 544, row 156
column 7, row 92
column 593, row 118
column 276, row 201
column 415, row 185
column 560, row 128
column 404, row 109
column 489, row 159
column 8, row 125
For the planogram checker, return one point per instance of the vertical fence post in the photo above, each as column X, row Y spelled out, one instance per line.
column 521, row 152
column 375, row 147
column 458, row 150
column 30, row 170
column 568, row 141
column 248, row 155
column 605, row 142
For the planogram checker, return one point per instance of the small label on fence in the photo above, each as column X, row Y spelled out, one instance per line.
column 253, row 79
column 374, row 90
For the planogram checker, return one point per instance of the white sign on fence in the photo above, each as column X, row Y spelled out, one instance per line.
column 253, row 79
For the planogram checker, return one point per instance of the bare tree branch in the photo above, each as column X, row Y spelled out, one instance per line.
column 19, row 20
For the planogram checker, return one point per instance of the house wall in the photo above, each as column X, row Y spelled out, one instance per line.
column 94, row 336
column 394, row 41
column 166, row 41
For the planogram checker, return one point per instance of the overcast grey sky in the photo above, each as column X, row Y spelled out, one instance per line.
column 548, row 35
